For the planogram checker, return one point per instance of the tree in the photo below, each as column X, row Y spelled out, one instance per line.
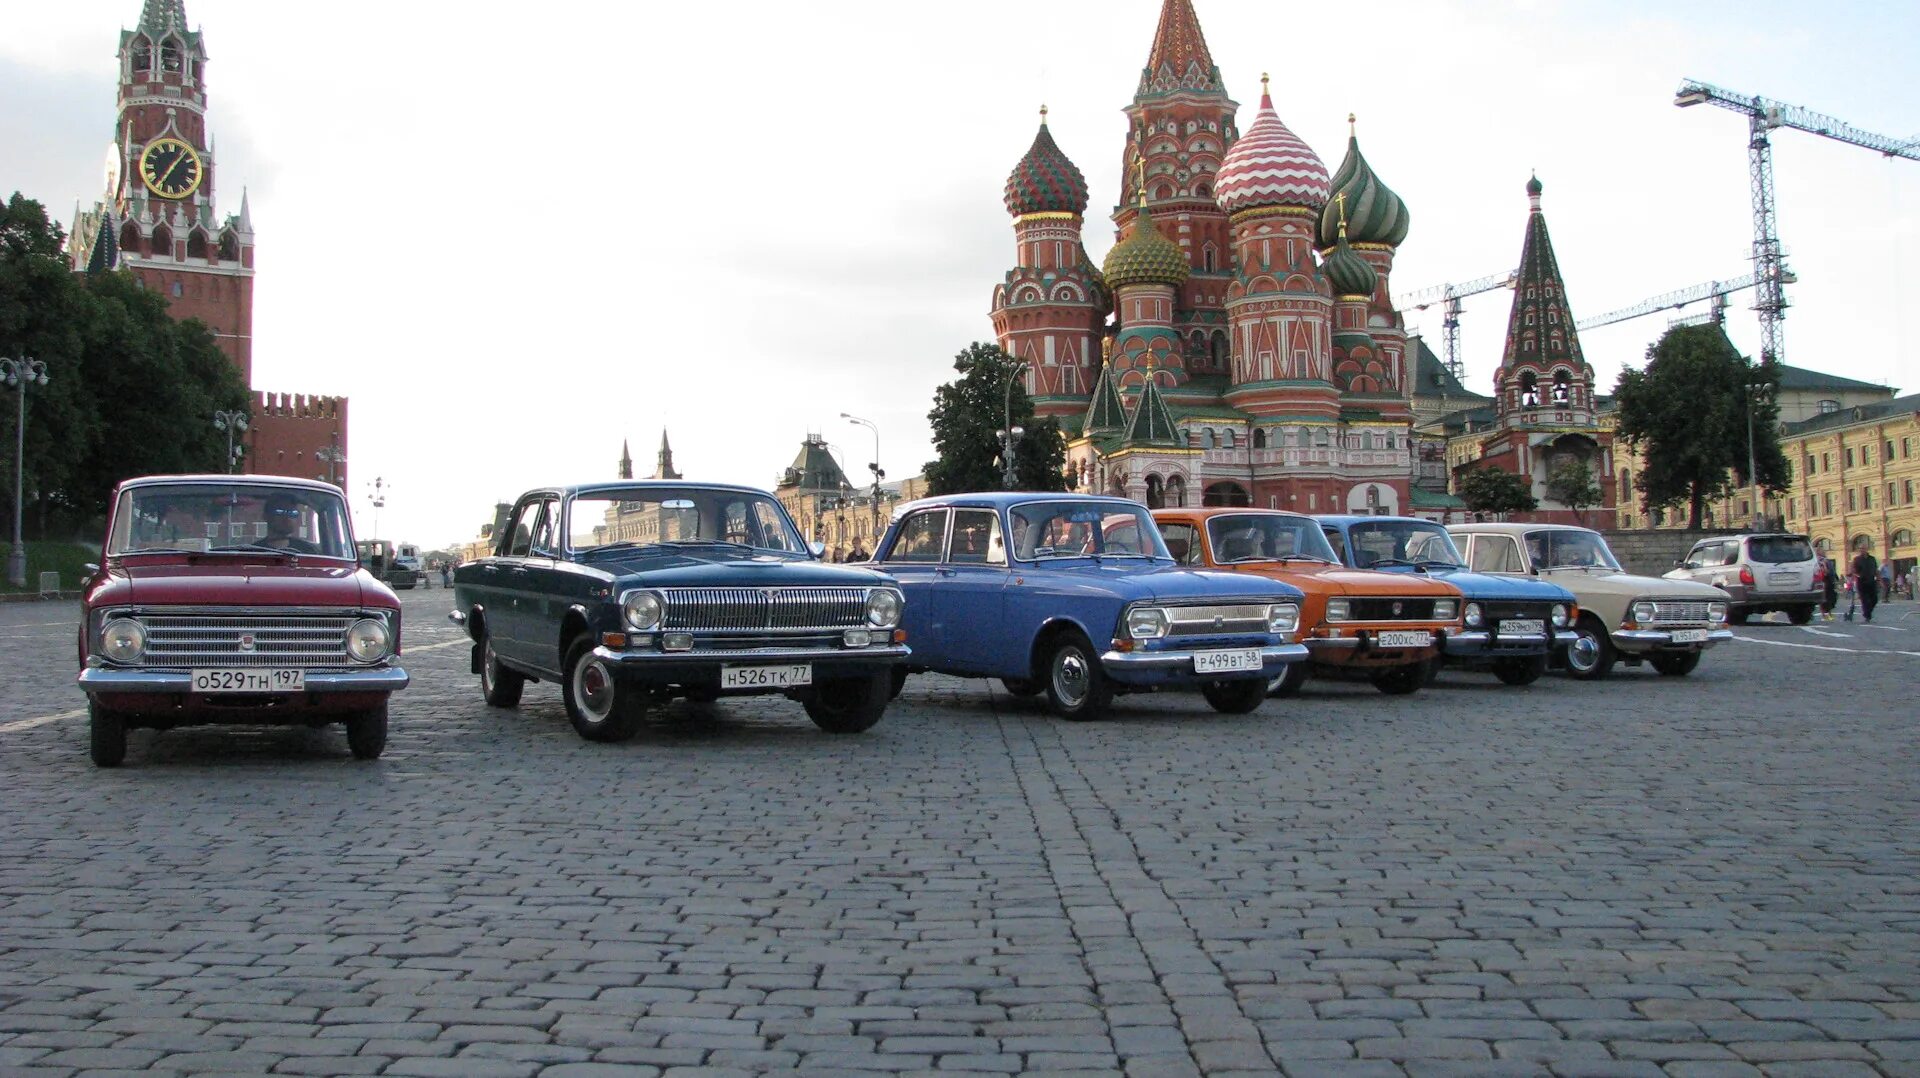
column 130, row 390
column 1490, row 490
column 966, row 414
column 1571, row 483
column 1687, row 414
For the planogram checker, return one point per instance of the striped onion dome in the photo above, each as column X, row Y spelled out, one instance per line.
column 1374, row 213
column 1270, row 166
column 1349, row 274
column 1045, row 181
column 1145, row 257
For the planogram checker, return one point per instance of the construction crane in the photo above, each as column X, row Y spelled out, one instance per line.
column 1763, row 115
column 1451, row 295
column 1716, row 291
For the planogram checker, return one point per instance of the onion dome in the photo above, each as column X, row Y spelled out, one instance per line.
column 1533, row 187
column 1374, row 213
column 1145, row 257
column 1045, row 181
column 1349, row 274
column 1270, row 166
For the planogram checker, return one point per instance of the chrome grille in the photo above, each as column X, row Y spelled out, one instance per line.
column 245, row 640
column 1679, row 612
column 1213, row 620
column 748, row 610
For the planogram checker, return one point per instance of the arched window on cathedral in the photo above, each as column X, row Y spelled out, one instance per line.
column 1206, row 437
column 229, row 247
column 1562, row 387
column 1156, row 495
column 143, row 55
column 1162, row 192
column 1205, row 190
column 1259, row 438
column 1219, row 349
column 1207, row 254
column 170, row 55
column 1176, row 493
column 197, row 244
column 130, row 239
column 162, row 242
column 1529, row 390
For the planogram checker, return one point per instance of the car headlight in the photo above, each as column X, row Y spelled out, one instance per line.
column 1283, row 618
column 1643, row 613
column 1445, row 609
column 1338, row 609
column 367, row 640
column 1474, row 615
column 1559, row 615
column 883, row 608
column 123, row 640
column 642, row 610
column 1146, row 623
column 1717, row 611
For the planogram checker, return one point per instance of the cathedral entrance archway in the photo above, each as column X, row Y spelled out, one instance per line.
column 1229, row 494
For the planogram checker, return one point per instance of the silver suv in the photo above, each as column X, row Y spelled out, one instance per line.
column 1761, row 573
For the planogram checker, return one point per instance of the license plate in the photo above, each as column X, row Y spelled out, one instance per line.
column 219, row 681
column 1783, row 578
column 1403, row 639
column 1221, row 662
column 1689, row 636
column 766, row 677
column 1523, row 627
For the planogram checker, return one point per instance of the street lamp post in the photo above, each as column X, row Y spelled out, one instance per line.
column 379, row 500
column 333, row 456
column 233, row 423
column 20, row 373
column 1755, row 390
column 1008, row 433
column 879, row 473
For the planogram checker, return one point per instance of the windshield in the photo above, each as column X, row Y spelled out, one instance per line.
column 1573, row 548
column 1406, row 542
column 1266, row 537
column 1779, row 549
column 678, row 517
column 230, row 518
column 1075, row 529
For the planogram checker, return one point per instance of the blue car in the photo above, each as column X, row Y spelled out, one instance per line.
column 1076, row 596
column 633, row 593
column 1514, row 626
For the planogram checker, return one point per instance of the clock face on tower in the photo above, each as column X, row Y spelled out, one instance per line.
column 170, row 168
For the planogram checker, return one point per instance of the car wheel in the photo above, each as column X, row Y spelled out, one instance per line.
column 1077, row 688
column 500, row 686
column 1590, row 656
column 1402, row 680
column 1675, row 664
column 1522, row 671
column 1022, row 686
column 106, row 735
column 1289, row 683
column 849, row 705
column 1800, row 615
column 367, row 733
column 600, row 708
column 1235, row 697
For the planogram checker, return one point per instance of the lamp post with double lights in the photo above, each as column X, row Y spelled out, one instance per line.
column 879, row 473
column 333, row 457
column 233, row 423
column 20, row 373
column 1009, row 434
column 378, row 498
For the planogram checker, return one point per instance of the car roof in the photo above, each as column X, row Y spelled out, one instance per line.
column 1228, row 510
column 1510, row 528
column 218, row 478
column 605, row 485
column 1002, row 499
column 1367, row 518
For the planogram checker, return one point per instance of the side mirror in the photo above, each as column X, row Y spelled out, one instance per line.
column 819, row 548
column 91, row 569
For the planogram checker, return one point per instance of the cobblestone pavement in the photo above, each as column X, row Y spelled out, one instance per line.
column 1712, row 876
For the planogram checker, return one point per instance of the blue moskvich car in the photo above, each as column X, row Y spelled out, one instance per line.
column 1076, row 596
column 1514, row 626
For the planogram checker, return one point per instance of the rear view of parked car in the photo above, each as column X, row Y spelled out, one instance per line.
column 1762, row 573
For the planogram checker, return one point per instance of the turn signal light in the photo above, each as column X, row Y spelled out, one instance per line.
column 613, row 640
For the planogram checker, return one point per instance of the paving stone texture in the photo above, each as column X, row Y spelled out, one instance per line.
column 1707, row 877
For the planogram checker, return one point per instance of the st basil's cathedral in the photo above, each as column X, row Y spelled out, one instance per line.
column 1253, row 356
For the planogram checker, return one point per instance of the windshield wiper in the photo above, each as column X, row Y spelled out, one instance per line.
column 253, row 548
column 1298, row 556
column 157, row 550
column 1389, row 561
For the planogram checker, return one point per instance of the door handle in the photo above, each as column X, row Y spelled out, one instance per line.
column 946, row 572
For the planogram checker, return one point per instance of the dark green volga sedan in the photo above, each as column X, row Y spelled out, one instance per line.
column 637, row 592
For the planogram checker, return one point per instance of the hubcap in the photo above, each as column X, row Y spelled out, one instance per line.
column 1070, row 677
column 593, row 688
column 486, row 667
column 1584, row 653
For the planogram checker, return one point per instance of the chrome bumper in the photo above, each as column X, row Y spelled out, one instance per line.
column 1481, row 642
column 109, row 679
column 1663, row 638
column 643, row 660
column 1122, row 662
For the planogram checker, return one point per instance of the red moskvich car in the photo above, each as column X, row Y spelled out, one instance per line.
column 235, row 599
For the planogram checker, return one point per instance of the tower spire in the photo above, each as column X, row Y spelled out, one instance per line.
column 161, row 17
column 663, row 467
column 626, row 461
column 1179, row 59
column 1542, row 365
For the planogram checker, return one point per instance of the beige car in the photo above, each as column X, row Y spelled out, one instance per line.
column 1667, row 623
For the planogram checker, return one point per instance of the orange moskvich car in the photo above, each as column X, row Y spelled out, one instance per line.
column 1389, row 625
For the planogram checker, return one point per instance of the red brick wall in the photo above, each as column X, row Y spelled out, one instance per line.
column 286, row 430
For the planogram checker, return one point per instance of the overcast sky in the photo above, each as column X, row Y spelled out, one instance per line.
column 516, row 234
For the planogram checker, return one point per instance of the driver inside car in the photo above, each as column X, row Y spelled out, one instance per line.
column 283, row 527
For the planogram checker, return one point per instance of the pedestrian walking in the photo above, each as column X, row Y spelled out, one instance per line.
column 446, row 574
column 1866, row 576
column 1831, row 572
